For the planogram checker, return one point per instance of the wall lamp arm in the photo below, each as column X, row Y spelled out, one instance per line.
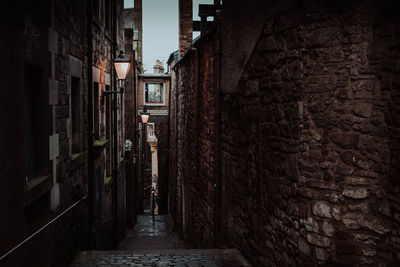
column 106, row 93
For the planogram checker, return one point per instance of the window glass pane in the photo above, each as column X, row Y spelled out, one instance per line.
column 34, row 115
column 154, row 93
column 150, row 129
column 96, row 111
column 129, row 4
column 76, row 114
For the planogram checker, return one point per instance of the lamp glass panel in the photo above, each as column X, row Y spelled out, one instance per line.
column 122, row 69
column 145, row 117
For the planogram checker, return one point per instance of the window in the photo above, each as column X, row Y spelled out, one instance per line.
column 107, row 18
column 35, row 114
column 76, row 115
column 96, row 111
column 154, row 94
column 96, row 9
column 108, row 132
column 150, row 129
column 151, row 133
column 129, row 4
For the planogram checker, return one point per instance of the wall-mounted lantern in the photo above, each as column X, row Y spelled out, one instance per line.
column 121, row 64
column 145, row 115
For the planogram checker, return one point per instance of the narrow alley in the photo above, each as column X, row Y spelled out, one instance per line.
column 200, row 133
column 152, row 243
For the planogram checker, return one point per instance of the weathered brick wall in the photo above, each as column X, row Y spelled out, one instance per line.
column 185, row 26
column 309, row 138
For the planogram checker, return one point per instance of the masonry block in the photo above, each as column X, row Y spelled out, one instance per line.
column 53, row 92
column 54, row 149
column 53, row 41
column 75, row 66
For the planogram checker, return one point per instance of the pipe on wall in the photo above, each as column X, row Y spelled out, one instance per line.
column 115, row 128
column 90, row 133
column 217, row 171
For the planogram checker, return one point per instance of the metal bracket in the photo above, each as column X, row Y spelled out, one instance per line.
column 106, row 93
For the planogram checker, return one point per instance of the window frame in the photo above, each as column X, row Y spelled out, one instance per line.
column 152, row 126
column 36, row 120
column 76, row 115
column 96, row 111
column 145, row 86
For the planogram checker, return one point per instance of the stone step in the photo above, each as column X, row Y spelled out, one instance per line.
column 164, row 257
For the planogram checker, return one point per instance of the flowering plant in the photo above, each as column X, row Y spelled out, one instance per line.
column 128, row 145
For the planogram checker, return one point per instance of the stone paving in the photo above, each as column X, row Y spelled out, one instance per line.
column 176, row 257
column 152, row 243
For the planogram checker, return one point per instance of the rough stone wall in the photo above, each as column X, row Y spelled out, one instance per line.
column 203, row 129
column 73, row 41
column 306, row 140
column 309, row 138
column 192, row 156
column 69, row 42
column 179, row 113
column 172, row 150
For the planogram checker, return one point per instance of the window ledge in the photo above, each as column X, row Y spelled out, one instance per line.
column 77, row 159
column 100, row 143
column 108, row 180
column 76, row 156
column 37, row 188
column 155, row 104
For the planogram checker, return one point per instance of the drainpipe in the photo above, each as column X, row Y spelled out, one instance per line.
column 217, row 171
column 90, row 134
column 135, row 126
column 115, row 128
column 169, row 139
column 198, row 108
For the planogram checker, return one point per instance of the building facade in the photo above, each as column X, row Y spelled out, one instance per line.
column 64, row 146
column 153, row 92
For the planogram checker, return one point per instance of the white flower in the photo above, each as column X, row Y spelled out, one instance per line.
column 128, row 145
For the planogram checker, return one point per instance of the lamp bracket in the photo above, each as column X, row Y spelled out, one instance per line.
column 106, row 93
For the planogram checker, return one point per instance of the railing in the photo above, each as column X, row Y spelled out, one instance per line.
column 41, row 229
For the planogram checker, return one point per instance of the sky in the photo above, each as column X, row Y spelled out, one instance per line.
column 160, row 28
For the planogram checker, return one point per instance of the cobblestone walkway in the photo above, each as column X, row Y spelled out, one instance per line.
column 152, row 243
column 176, row 257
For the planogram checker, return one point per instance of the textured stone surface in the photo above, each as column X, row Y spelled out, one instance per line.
column 185, row 26
column 356, row 193
column 191, row 257
column 193, row 158
column 322, row 209
column 317, row 240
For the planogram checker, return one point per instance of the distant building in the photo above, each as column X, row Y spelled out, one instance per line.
column 153, row 91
